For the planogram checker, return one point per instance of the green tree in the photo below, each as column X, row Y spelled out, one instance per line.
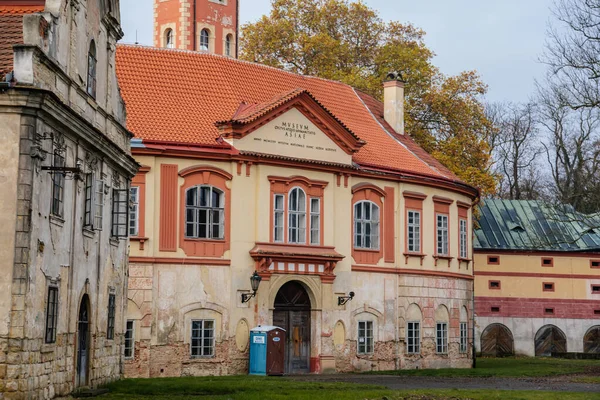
column 348, row 42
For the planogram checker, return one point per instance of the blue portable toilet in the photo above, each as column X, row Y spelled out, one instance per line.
column 267, row 350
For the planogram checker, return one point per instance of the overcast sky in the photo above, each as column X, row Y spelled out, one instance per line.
column 502, row 39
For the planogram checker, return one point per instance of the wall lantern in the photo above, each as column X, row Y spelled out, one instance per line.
column 254, row 282
column 342, row 300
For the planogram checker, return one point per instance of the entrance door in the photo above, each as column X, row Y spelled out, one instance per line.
column 83, row 342
column 496, row 341
column 550, row 339
column 292, row 313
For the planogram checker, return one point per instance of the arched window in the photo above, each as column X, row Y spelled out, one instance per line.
column 204, row 212
column 204, row 36
column 169, row 39
column 297, row 216
column 228, row 43
column 91, row 74
column 366, row 225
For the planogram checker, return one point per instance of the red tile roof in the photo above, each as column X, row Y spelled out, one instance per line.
column 11, row 32
column 178, row 96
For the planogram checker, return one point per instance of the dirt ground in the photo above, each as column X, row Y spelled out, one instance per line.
column 559, row 384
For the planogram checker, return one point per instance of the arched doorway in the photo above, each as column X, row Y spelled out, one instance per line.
column 550, row 339
column 497, row 341
column 292, row 313
column 591, row 340
column 83, row 339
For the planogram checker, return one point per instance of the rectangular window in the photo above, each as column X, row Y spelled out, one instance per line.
column 278, row 218
column 203, row 338
column 129, row 343
column 315, row 220
column 94, row 203
column 596, row 312
column 58, row 185
column 442, row 234
column 463, row 238
column 463, row 337
column 441, row 337
column 204, row 213
column 548, row 287
column 495, row 309
column 120, row 213
column 413, row 337
column 594, row 263
column 110, row 326
column 547, row 262
column 366, row 225
column 494, row 285
column 414, row 231
column 549, row 311
column 51, row 314
column 134, row 202
column 493, row 260
column 596, row 289
column 365, row 337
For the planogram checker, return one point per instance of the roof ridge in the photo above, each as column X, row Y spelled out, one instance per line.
column 232, row 59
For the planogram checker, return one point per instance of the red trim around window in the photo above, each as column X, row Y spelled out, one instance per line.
column 374, row 194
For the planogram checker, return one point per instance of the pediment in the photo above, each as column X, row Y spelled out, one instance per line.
column 292, row 125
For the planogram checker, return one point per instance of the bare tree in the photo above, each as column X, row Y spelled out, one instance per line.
column 516, row 150
column 572, row 148
column 573, row 51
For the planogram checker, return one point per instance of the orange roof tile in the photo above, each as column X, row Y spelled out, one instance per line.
column 11, row 32
column 178, row 96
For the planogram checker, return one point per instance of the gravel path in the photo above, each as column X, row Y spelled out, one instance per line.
column 558, row 384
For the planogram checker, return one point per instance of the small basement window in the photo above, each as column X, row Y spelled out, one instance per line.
column 594, row 263
column 548, row 287
column 495, row 309
column 493, row 260
column 596, row 289
column 494, row 284
column 547, row 262
column 596, row 312
column 549, row 311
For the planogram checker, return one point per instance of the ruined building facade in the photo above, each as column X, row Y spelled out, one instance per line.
column 66, row 167
column 311, row 184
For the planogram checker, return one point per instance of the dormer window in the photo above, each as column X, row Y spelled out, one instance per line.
column 169, row 39
column 204, row 36
column 91, row 74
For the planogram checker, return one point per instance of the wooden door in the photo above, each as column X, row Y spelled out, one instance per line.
column 82, row 343
column 549, row 339
column 292, row 313
column 496, row 341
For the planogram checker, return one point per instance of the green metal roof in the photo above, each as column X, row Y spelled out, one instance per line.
column 534, row 225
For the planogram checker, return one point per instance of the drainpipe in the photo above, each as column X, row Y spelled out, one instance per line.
column 237, row 28
column 473, row 316
column 194, row 27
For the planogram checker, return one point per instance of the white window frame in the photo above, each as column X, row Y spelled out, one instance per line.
column 204, row 46
column 315, row 221
column 134, row 211
column 413, row 331
column 463, row 238
column 441, row 337
column 373, row 222
column 442, row 248
column 365, row 337
column 209, row 209
column 200, row 351
column 463, row 337
column 279, row 228
column 94, row 202
column 129, row 339
column 297, row 217
column 169, row 34
column 413, row 231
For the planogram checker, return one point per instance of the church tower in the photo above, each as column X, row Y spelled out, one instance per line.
column 201, row 25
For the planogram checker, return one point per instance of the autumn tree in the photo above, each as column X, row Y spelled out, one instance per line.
column 348, row 42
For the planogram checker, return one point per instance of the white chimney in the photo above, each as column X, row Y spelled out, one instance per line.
column 393, row 101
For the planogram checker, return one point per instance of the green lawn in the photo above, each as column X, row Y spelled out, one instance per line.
column 266, row 388
column 509, row 367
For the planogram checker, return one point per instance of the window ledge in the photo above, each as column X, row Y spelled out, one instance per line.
column 408, row 255
column 467, row 260
column 202, row 360
column 367, row 250
column 89, row 233
column 138, row 238
column 204, row 240
column 109, row 342
column 56, row 220
column 442, row 257
column 114, row 241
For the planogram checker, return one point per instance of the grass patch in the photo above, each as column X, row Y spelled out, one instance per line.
column 457, row 394
column 516, row 367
